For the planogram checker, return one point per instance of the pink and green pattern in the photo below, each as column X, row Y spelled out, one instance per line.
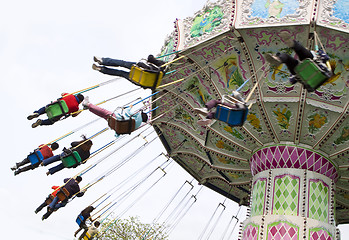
column 319, row 234
column 286, row 195
column 282, row 156
column 318, row 200
column 251, row 232
column 258, row 197
column 282, row 231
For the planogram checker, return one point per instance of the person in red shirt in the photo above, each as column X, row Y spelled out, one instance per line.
column 72, row 102
column 45, row 150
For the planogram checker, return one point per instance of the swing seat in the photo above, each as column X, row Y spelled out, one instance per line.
column 80, row 219
column 49, row 199
column 145, row 78
column 57, row 109
column 63, row 194
column 87, row 236
column 231, row 116
column 71, row 160
column 35, row 157
column 126, row 126
column 311, row 75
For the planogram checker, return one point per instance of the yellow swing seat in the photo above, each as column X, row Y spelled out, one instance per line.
column 87, row 236
column 145, row 78
column 125, row 126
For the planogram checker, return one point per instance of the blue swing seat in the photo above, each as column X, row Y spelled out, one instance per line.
column 35, row 157
column 80, row 219
column 231, row 116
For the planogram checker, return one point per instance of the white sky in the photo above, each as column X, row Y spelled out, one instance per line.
column 46, row 48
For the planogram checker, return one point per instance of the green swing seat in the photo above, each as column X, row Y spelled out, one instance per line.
column 57, row 109
column 311, row 75
column 71, row 160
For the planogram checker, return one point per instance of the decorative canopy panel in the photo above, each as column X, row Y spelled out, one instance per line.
column 225, row 44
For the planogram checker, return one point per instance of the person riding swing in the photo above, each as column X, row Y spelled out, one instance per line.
column 34, row 159
column 145, row 73
column 65, row 106
column 124, row 123
column 312, row 69
column 231, row 109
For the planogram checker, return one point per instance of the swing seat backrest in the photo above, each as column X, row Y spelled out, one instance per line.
column 71, row 160
column 126, row 126
column 145, row 78
column 87, row 236
column 63, row 194
column 231, row 116
column 310, row 74
column 49, row 199
column 80, row 219
column 35, row 157
column 57, row 109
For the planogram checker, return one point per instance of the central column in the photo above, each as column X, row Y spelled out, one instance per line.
column 292, row 196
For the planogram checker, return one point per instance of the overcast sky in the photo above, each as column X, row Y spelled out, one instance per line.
column 47, row 48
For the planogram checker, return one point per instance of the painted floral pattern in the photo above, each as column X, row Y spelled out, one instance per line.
column 343, row 137
column 220, row 144
column 283, row 117
column 316, row 121
column 233, row 132
column 183, row 115
column 254, row 121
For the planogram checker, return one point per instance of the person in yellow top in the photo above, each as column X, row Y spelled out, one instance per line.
column 91, row 232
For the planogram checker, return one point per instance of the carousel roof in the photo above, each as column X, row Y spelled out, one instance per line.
column 224, row 45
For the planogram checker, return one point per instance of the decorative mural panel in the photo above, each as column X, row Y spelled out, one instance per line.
column 318, row 200
column 272, row 12
column 334, row 14
column 213, row 19
column 251, row 232
column 286, row 195
column 282, row 231
column 207, row 22
column 338, row 138
column 319, row 234
column 258, row 197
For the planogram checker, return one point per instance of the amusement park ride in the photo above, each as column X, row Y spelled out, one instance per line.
column 289, row 160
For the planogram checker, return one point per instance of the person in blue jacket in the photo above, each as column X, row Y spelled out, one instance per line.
column 83, row 149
